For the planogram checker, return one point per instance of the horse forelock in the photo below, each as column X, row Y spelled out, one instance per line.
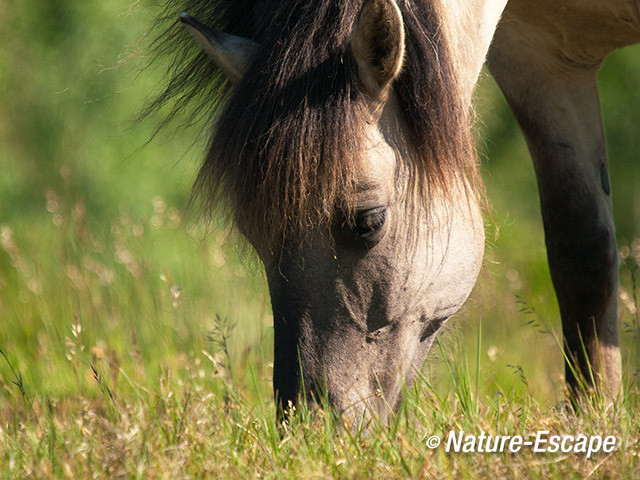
column 284, row 150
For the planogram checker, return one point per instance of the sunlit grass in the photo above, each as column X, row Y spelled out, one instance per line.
column 141, row 350
column 135, row 343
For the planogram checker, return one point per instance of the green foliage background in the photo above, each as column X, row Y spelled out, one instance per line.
column 93, row 231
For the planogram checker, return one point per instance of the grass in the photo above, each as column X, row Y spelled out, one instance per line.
column 143, row 352
column 193, row 427
column 135, row 344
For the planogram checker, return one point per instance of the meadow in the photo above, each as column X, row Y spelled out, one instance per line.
column 136, row 341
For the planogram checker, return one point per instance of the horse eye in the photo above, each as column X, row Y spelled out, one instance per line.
column 368, row 222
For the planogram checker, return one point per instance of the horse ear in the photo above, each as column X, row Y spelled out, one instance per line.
column 377, row 44
column 232, row 54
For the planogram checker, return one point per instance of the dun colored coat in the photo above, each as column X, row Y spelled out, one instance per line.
column 342, row 148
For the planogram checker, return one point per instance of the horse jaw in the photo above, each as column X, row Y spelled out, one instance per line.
column 232, row 54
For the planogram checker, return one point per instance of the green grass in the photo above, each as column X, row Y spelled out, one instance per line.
column 137, row 343
column 146, row 352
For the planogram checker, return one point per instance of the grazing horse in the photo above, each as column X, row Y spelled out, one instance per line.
column 342, row 147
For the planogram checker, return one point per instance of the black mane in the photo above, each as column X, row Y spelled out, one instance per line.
column 285, row 139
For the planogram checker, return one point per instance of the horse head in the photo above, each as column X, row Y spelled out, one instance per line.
column 354, row 181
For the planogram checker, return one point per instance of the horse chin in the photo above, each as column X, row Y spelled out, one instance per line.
column 368, row 386
column 360, row 374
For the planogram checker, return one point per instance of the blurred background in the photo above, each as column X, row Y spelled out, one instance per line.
column 98, row 263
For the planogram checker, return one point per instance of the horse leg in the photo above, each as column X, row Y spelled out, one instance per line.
column 555, row 99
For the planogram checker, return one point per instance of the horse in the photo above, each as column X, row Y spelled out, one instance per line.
column 342, row 149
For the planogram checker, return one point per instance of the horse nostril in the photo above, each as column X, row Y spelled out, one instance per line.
column 432, row 328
